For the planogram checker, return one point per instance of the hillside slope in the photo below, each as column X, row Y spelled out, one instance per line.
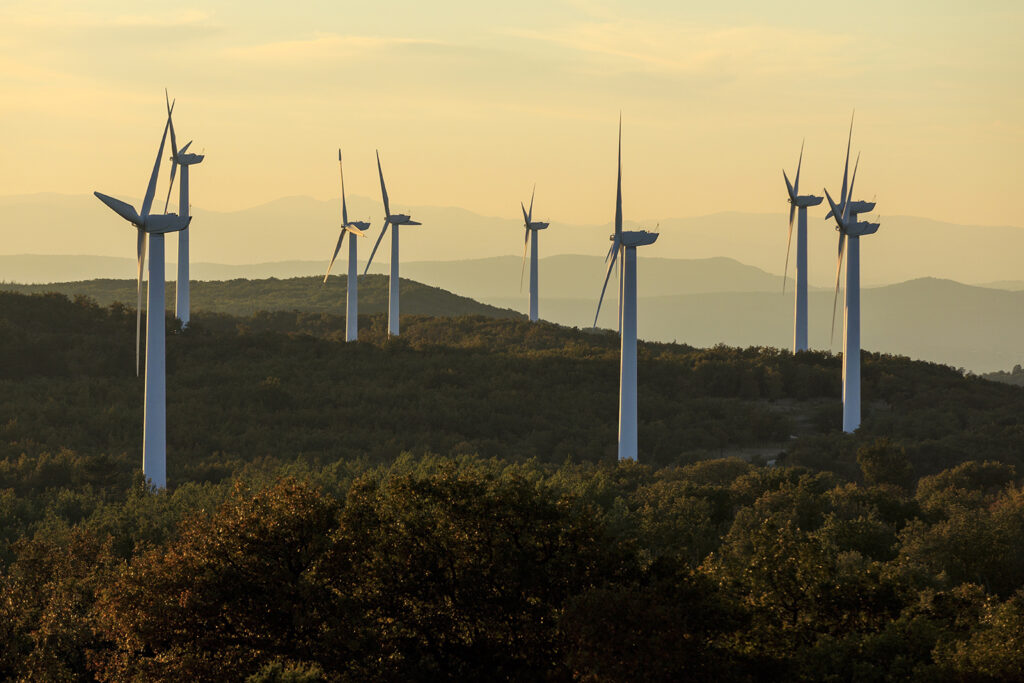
column 310, row 294
column 283, row 385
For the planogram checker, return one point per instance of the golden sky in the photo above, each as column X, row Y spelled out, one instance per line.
column 471, row 102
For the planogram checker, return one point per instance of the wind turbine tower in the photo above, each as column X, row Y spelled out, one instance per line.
column 154, row 447
column 182, row 157
column 624, row 243
column 798, row 204
column 356, row 228
column 394, row 220
column 531, row 237
column 850, row 231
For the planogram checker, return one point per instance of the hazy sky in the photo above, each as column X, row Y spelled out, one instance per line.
column 471, row 102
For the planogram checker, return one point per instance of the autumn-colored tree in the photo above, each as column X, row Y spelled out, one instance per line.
column 236, row 590
column 462, row 575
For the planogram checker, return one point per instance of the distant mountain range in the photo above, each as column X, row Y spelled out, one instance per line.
column 942, row 321
column 305, row 229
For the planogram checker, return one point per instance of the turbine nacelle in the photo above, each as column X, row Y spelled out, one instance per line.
column 807, row 200
column 166, row 222
column 862, row 207
column 844, row 224
column 402, row 219
column 855, row 207
column 635, row 238
column 189, row 159
column 183, row 157
column 537, row 225
column 153, row 223
column 861, row 228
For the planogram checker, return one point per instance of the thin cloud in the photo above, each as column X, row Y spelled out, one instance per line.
column 692, row 49
column 35, row 19
column 322, row 47
column 181, row 19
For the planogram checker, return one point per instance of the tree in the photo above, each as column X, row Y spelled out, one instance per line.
column 463, row 575
column 884, row 462
column 236, row 590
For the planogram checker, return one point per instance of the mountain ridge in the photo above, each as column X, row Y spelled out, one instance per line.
column 905, row 248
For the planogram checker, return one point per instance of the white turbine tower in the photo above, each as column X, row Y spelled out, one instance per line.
column 625, row 242
column 797, row 202
column 394, row 220
column 181, row 157
column 352, row 287
column 850, row 230
column 530, row 239
column 154, row 447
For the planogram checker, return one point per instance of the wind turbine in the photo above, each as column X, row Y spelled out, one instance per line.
column 154, row 447
column 531, row 232
column 181, row 157
column 625, row 242
column 850, row 230
column 352, row 293
column 797, row 202
column 395, row 220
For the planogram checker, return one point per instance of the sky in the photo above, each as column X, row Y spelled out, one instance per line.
column 472, row 103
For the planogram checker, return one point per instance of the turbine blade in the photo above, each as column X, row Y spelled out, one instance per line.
column 799, row 163
column 618, row 188
column 354, row 230
column 174, row 154
column 383, row 230
column 383, row 190
column 529, row 217
column 611, row 250
column 622, row 267
column 789, row 241
column 789, row 187
column 835, row 299
column 341, row 238
column 344, row 207
column 147, row 203
column 141, row 248
column 522, row 273
column 170, row 123
column 170, row 188
column 605, row 286
column 122, row 209
column 835, row 209
column 846, row 167
column 526, row 217
column 846, row 207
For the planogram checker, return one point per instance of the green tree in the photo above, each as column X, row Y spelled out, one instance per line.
column 884, row 462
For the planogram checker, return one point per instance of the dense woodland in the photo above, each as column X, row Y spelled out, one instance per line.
column 447, row 505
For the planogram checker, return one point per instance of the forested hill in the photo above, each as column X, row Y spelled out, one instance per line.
column 446, row 505
column 283, row 384
column 310, row 294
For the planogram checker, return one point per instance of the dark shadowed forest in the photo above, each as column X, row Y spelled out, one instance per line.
column 447, row 505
